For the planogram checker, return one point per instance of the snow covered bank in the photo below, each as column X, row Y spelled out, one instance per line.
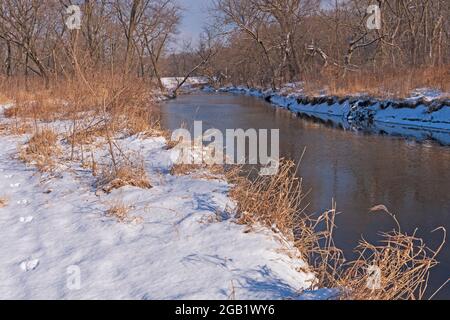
column 423, row 116
column 186, row 245
column 171, row 83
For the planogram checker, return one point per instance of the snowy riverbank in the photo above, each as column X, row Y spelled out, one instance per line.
column 183, row 246
column 423, row 116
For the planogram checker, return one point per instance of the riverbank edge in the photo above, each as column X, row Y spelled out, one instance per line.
column 290, row 266
column 410, row 118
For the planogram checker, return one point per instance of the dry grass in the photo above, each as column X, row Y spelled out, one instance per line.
column 104, row 103
column 43, row 108
column 276, row 202
column 199, row 170
column 4, row 99
column 142, row 121
column 59, row 102
column 314, row 239
column 3, row 202
column 190, row 153
column 404, row 262
column 16, row 128
column 86, row 133
column 170, row 144
column 99, row 109
column 181, row 169
column 106, row 107
column 121, row 212
column 128, row 173
column 41, row 150
column 381, row 83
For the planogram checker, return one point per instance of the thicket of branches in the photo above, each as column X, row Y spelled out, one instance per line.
column 116, row 36
column 268, row 42
column 252, row 42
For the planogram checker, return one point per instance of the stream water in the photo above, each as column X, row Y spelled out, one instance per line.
column 357, row 170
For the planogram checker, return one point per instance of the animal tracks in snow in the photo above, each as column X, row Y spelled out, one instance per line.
column 29, row 265
column 14, row 185
column 26, row 219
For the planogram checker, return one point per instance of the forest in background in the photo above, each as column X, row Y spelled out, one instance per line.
column 258, row 43
column 84, row 98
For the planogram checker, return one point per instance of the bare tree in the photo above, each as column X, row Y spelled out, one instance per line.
column 160, row 23
column 23, row 23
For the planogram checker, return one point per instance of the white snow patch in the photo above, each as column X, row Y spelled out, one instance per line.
column 427, row 94
column 419, row 122
column 181, row 250
column 171, row 83
column 29, row 265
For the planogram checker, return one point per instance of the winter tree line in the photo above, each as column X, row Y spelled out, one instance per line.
column 291, row 40
column 253, row 42
column 128, row 36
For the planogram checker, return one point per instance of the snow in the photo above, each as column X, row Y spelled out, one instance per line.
column 171, row 83
column 425, row 115
column 419, row 116
column 428, row 94
column 187, row 246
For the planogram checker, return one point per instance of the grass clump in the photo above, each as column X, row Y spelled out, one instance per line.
column 141, row 121
column 275, row 201
column 403, row 261
column 127, row 173
column 3, row 202
column 200, row 170
column 41, row 150
column 381, row 82
column 121, row 213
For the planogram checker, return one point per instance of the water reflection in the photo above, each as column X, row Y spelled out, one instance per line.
column 357, row 170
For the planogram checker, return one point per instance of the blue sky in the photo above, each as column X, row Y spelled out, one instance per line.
column 194, row 17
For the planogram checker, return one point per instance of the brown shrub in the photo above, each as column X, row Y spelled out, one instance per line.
column 129, row 173
column 16, row 128
column 39, row 106
column 141, row 121
column 41, row 150
column 121, row 212
column 276, row 202
column 86, row 134
column 403, row 261
column 379, row 82
column 11, row 112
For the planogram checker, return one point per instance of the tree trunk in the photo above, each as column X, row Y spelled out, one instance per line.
column 131, row 29
column 8, row 59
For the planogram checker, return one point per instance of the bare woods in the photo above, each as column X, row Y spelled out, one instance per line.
column 270, row 42
column 117, row 37
column 252, row 42
column 260, row 43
